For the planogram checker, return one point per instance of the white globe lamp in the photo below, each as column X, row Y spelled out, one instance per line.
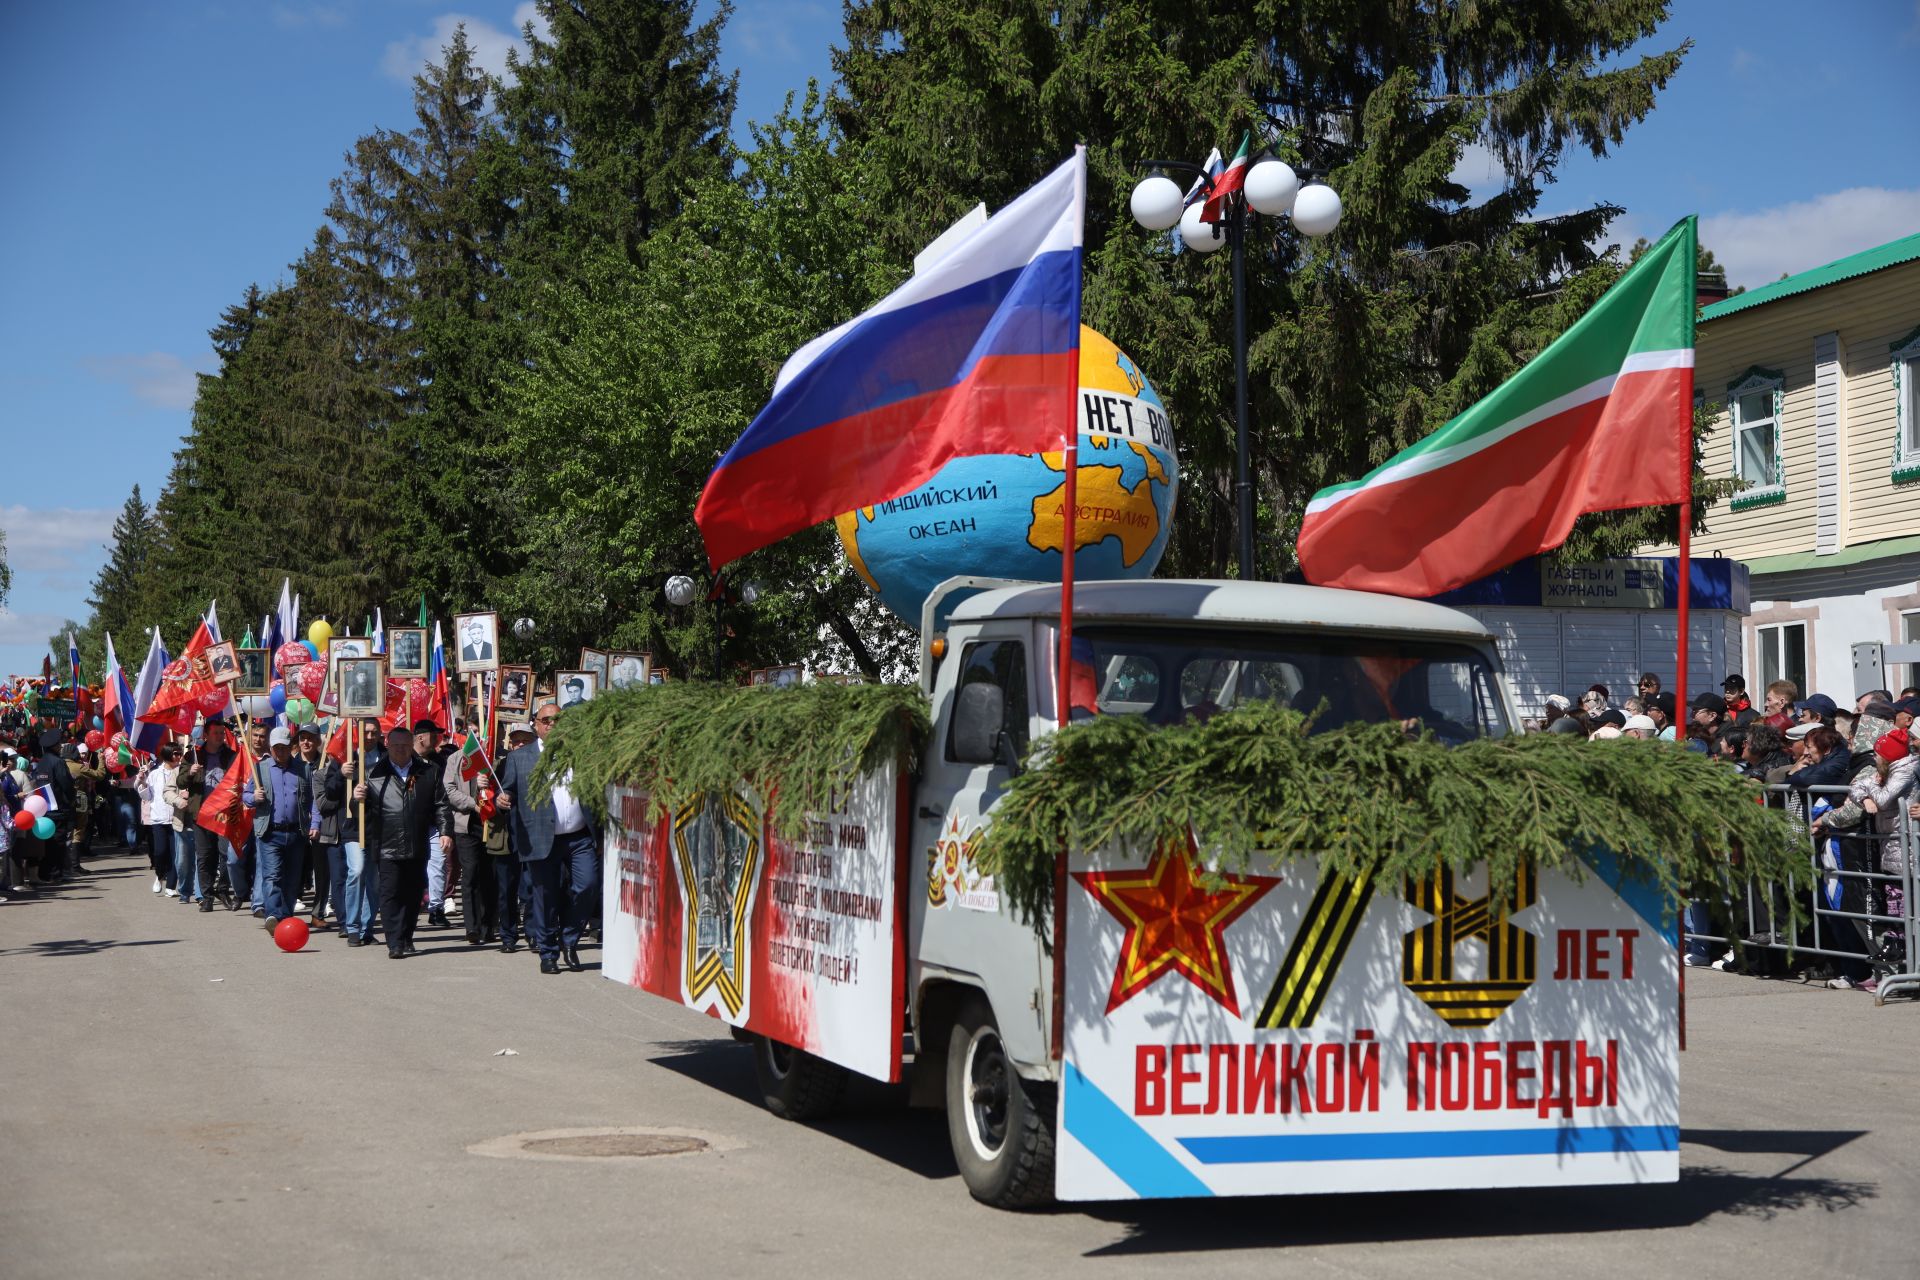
column 680, row 591
column 1200, row 236
column 1271, row 187
column 1317, row 210
column 1156, row 202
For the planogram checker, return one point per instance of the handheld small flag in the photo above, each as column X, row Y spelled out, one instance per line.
column 1230, row 180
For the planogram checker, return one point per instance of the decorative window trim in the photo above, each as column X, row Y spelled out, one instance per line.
column 1906, row 459
column 1758, row 379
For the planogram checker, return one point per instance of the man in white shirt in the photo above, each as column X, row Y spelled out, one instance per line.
column 559, row 843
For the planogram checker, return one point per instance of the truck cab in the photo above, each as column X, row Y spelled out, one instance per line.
column 981, row 982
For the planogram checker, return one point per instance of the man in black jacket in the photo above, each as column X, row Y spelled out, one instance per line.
column 51, row 770
column 406, row 807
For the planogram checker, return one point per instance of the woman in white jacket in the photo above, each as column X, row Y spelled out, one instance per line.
column 154, row 786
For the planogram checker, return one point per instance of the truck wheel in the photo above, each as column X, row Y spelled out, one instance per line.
column 795, row 1084
column 1001, row 1126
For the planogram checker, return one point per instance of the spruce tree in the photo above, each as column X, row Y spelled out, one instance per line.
column 118, row 590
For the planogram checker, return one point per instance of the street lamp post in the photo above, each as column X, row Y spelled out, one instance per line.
column 1271, row 187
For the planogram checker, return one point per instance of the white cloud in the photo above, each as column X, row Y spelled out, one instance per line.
column 404, row 59
column 28, row 629
column 158, row 378
column 56, row 540
column 1478, row 170
column 1760, row 246
column 768, row 32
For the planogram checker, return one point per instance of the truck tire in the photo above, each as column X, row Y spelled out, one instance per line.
column 795, row 1084
column 1001, row 1126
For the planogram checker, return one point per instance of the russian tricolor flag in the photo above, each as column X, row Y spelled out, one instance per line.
column 978, row 354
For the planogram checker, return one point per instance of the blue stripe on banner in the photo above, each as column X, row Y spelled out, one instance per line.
column 1275, row 1148
column 930, row 346
column 1100, row 1126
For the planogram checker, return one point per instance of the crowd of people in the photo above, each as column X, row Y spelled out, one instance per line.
column 361, row 846
column 1847, row 773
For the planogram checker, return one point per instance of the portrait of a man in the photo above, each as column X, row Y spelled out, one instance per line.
column 575, row 687
column 625, row 670
column 253, row 664
column 407, row 652
column 224, row 665
column 479, row 635
column 363, row 687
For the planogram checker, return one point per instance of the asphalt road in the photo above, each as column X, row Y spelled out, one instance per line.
column 178, row 1098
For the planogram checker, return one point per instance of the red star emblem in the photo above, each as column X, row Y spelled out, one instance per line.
column 1173, row 922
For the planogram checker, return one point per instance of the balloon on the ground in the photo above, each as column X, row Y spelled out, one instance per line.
column 1002, row 515
column 290, row 934
column 36, row 805
column 43, row 828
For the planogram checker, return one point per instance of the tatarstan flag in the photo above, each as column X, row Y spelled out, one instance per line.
column 1600, row 420
column 1230, row 181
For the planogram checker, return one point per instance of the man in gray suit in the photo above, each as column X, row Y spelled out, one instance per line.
column 559, row 843
column 282, row 799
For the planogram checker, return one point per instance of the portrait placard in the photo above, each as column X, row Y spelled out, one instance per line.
column 363, row 687
column 594, row 660
column 571, row 688
column 627, row 670
column 222, row 664
column 516, row 686
column 476, row 637
column 407, row 655
column 256, row 673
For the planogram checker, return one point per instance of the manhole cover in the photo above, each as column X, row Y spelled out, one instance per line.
column 615, row 1144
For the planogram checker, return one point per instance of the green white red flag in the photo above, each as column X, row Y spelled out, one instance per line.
column 1234, row 178
column 1600, row 420
column 473, row 755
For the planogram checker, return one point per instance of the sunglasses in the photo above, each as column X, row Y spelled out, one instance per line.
column 545, row 719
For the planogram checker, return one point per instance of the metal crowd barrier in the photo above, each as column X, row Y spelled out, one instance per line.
column 1847, row 904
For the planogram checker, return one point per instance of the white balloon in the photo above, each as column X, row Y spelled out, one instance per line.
column 1317, row 210
column 36, row 805
column 1156, row 202
column 1201, row 237
column 1271, row 187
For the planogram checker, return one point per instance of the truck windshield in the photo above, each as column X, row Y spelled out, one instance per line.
column 1170, row 676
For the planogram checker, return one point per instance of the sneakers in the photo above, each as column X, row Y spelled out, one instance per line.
column 1725, row 963
column 1693, row 961
column 1843, row 983
column 171, row 893
column 1871, row 984
column 157, row 886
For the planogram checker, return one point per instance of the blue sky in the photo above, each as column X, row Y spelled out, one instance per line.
column 166, row 155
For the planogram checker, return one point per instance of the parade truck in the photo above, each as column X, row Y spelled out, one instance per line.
column 1175, row 1026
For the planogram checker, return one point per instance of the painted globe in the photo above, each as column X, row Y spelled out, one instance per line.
column 1003, row 515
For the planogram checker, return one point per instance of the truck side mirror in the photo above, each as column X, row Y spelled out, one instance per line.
column 978, row 714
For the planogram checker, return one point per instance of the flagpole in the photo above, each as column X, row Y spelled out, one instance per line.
column 1689, row 246
column 1063, row 677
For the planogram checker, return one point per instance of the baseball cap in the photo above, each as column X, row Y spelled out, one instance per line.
column 1665, row 702
column 1800, row 731
column 1644, row 724
column 425, row 726
column 1878, row 708
column 280, row 738
column 1710, row 702
column 309, row 731
column 1820, row 704
column 1615, row 717
column 1560, row 702
column 519, row 726
column 1735, row 683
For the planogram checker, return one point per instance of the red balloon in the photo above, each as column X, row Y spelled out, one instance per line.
column 183, row 718
column 95, row 739
column 119, row 739
column 312, row 678
column 23, row 820
column 290, row 934
column 213, row 704
column 290, row 655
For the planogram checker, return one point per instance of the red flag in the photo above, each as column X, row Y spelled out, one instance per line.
column 337, row 741
column 184, row 681
column 222, row 812
column 438, row 702
column 1227, row 183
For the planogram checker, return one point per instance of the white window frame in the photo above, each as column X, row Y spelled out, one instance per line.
column 1770, row 654
column 1757, row 493
column 1908, row 631
column 1906, row 407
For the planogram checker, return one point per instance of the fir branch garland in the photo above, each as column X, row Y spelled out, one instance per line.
column 678, row 740
column 1370, row 801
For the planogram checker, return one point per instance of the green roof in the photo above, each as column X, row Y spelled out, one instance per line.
column 1860, row 553
column 1891, row 254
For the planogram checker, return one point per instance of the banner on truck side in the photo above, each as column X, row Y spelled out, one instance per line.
column 1278, row 1033
column 797, row 941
